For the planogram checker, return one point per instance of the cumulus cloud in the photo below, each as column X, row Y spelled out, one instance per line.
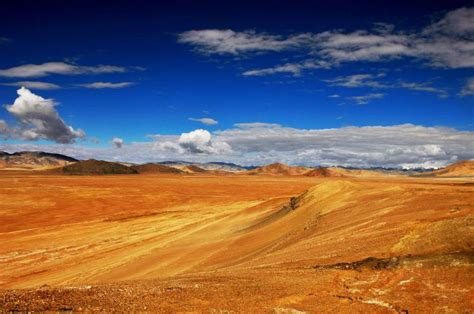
column 117, row 142
column 406, row 145
column 197, row 142
column 48, row 68
column 99, row 85
column 33, row 85
column 365, row 99
column 468, row 89
column 38, row 119
column 206, row 121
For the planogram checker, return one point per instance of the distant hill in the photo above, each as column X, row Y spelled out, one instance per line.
column 459, row 169
column 155, row 168
column 93, row 166
column 278, row 169
column 343, row 172
column 325, row 172
column 193, row 169
column 224, row 166
column 33, row 160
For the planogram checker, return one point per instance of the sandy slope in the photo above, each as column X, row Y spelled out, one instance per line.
column 459, row 169
column 234, row 243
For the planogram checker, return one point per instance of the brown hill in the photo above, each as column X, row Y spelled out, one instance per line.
column 93, row 166
column 325, row 172
column 459, row 169
column 33, row 161
column 278, row 169
column 342, row 172
column 155, row 168
column 193, row 169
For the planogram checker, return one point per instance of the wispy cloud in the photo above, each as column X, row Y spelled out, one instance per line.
column 206, row 121
column 372, row 81
column 424, row 87
column 100, row 85
column 445, row 43
column 357, row 80
column 468, row 89
column 48, row 68
column 365, row 99
column 295, row 69
column 227, row 41
column 33, row 85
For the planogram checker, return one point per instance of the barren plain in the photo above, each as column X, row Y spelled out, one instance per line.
column 236, row 243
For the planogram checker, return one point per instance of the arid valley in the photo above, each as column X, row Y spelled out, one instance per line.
column 285, row 157
column 259, row 242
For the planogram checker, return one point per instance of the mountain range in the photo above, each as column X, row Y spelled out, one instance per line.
column 47, row 161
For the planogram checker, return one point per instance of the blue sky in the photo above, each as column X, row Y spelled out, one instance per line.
column 147, row 73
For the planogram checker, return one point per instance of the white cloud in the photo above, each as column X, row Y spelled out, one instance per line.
column 292, row 68
column 38, row 119
column 457, row 22
column 424, row 87
column 334, row 96
column 33, row 85
column 117, row 142
column 216, row 41
column 199, row 142
column 446, row 43
column 357, row 80
column 468, row 89
column 99, row 85
column 206, row 121
column 371, row 81
column 365, row 99
column 404, row 145
column 361, row 45
column 48, row 68
column 252, row 125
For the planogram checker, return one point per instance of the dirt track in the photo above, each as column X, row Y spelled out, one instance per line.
column 229, row 243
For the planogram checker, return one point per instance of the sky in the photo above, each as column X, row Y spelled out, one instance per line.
column 344, row 83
